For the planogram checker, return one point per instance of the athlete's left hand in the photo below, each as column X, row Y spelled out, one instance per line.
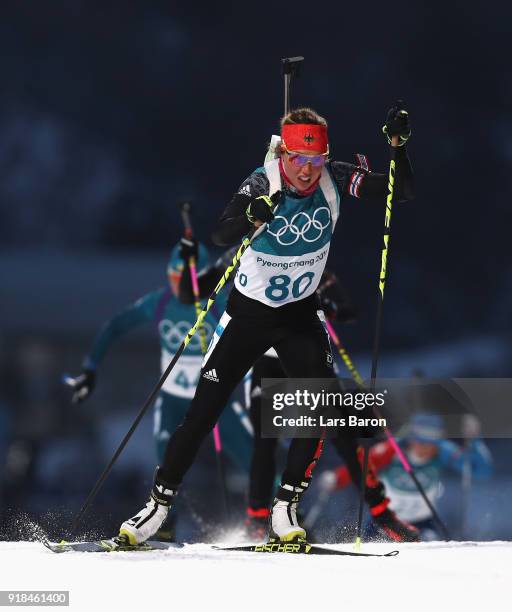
column 188, row 248
column 82, row 385
column 397, row 124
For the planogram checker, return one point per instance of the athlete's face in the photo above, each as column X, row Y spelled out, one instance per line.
column 303, row 175
column 423, row 450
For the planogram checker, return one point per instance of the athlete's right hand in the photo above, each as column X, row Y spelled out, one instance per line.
column 82, row 385
column 260, row 208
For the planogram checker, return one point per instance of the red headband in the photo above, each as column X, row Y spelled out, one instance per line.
column 304, row 137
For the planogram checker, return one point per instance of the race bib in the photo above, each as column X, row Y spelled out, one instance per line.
column 284, row 262
column 277, row 279
column 182, row 380
column 410, row 506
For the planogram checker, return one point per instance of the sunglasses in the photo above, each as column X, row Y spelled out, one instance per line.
column 299, row 159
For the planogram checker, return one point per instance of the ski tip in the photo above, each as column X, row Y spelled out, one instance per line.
column 392, row 553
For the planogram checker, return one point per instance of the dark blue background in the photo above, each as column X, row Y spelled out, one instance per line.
column 111, row 113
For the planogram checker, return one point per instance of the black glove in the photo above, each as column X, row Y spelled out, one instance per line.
column 82, row 385
column 397, row 124
column 260, row 208
column 188, row 248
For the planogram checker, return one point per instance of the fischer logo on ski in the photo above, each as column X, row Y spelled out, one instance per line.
column 286, row 547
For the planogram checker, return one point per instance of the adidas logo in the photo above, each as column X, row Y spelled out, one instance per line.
column 211, row 375
column 246, row 190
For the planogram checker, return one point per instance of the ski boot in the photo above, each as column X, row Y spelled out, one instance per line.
column 256, row 523
column 396, row 529
column 386, row 520
column 149, row 520
column 284, row 526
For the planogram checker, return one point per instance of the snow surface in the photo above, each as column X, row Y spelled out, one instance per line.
column 428, row 576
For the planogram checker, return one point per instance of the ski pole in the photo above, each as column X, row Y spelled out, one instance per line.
column 344, row 355
column 376, row 346
column 382, row 284
column 152, row 396
column 185, row 214
column 466, row 482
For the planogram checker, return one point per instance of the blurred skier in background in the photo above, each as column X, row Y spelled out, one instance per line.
column 171, row 311
column 429, row 455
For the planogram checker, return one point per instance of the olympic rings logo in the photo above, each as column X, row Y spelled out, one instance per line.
column 174, row 333
column 311, row 230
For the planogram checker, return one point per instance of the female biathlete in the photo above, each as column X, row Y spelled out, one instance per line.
column 274, row 302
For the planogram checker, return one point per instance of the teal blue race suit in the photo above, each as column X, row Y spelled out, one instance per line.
column 172, row 320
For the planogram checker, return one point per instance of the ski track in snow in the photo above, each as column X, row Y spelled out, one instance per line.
column 429, row 576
